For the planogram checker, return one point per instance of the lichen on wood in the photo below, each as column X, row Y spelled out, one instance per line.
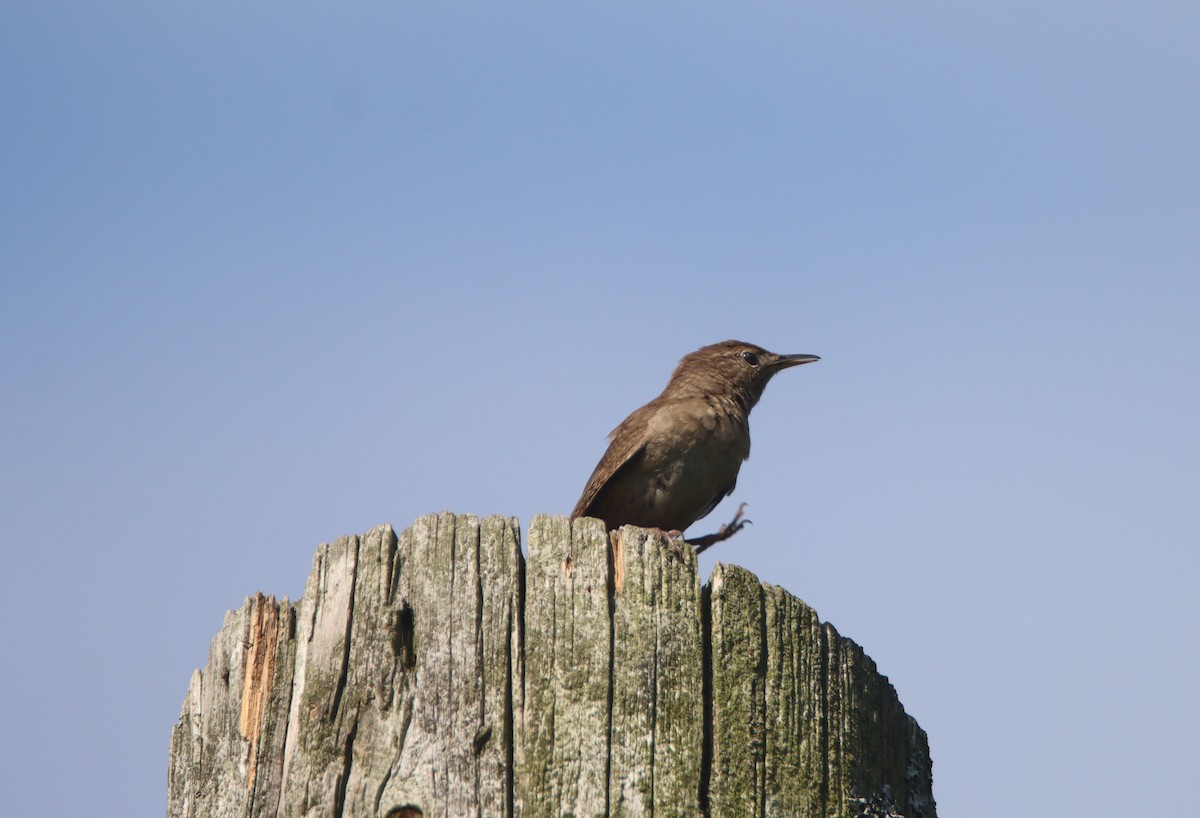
column 440, row 673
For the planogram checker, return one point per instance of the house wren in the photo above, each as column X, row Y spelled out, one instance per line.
column 671, row 461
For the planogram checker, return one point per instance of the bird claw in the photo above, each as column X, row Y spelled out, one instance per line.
column 723, row 533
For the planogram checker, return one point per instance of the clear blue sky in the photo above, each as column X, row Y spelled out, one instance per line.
column 274, row 273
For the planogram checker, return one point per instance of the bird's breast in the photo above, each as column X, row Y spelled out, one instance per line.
column 693, row 453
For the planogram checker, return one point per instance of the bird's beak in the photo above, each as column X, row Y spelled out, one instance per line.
column 784, row 361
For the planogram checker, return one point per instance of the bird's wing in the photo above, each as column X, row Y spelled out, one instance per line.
column 623, row 449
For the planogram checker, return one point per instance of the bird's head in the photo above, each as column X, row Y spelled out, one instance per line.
column 731, row 368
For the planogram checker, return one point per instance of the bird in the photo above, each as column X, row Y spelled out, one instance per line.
column 673, row 460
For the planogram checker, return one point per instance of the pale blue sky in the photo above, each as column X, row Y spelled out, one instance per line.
column 274, row 273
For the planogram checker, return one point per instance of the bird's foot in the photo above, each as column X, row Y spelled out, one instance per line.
column 725, row 532
column 674, row 540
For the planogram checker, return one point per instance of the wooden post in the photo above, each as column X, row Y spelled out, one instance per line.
column 440, row 673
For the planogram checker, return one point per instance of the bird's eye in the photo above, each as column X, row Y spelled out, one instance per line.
column 750, row 358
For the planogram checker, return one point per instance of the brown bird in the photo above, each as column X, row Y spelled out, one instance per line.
column 672, row 461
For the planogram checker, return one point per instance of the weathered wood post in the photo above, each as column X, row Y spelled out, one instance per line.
column 440, row 673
